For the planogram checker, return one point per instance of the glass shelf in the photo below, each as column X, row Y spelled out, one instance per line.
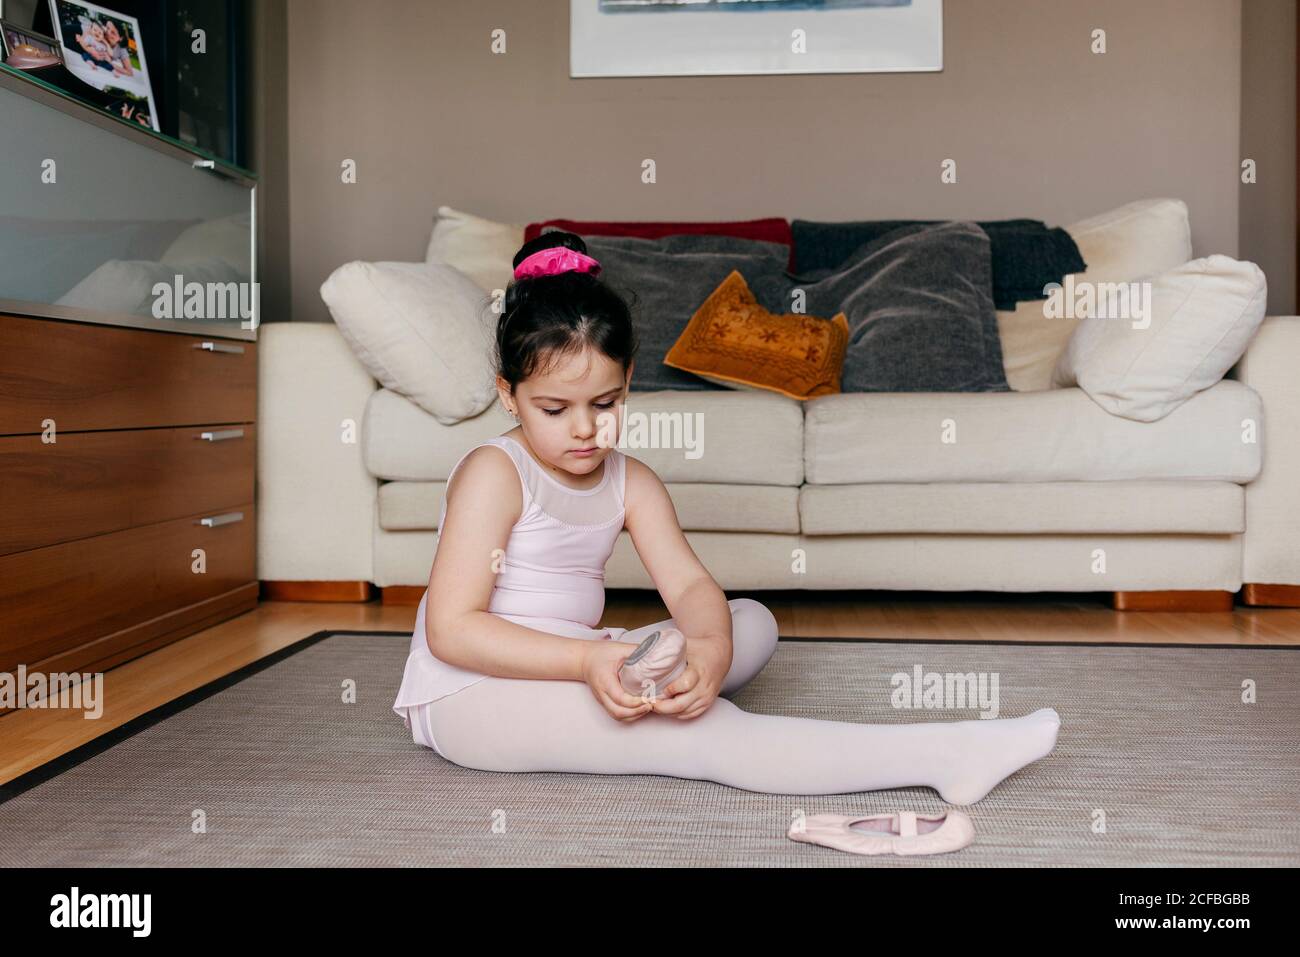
column 104, row 221
column 73, row 105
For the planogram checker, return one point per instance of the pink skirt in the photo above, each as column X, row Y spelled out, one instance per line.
column 428, row 678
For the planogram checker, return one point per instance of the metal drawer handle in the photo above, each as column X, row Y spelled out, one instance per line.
column 212, row 167
column 222, row 435
column 213, row 520
column 220, row 347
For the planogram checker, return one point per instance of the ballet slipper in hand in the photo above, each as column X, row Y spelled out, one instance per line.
column 707, row 661
column 657, row 661
column 600, row 670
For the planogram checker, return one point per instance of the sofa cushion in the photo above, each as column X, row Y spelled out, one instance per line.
column 1193, row 324
column 735, row 342
column 1058, row 435
column 421, row 329
column 722, row 437
column 669, row 279
column 770, row 230
column 1026, row 254
column 919, row 311
column 1138, row 239
column 483, row 249
column 1023, row 508
column 713, row 507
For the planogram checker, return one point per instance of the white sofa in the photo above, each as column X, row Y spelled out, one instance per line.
column 847, row 491
column 1043, row 490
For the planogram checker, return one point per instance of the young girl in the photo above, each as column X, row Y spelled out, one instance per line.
column 508, row 669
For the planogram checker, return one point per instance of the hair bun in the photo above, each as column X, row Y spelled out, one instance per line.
column 557, row 237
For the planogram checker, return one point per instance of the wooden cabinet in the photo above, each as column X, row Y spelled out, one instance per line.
column 127, row 463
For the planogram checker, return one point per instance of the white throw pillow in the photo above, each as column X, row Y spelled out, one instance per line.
column 1197, row 321
column 1138, row 239
column 424, row 330
column 480, row 248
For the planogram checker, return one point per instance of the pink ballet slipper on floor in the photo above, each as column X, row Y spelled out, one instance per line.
column 656, row 663
column 904, row 833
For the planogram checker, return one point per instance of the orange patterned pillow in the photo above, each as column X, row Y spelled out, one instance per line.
column 733, row 341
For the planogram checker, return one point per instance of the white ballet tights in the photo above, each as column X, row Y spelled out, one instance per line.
column 521, row 724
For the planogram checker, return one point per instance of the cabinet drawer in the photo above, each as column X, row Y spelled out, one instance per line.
column 92, row 483
column 76, row 593
column 86, row 376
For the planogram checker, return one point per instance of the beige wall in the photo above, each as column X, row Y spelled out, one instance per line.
column 269, row 119
column 1268, row 136
column 1039, row 126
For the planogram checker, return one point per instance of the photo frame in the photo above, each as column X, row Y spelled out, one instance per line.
column 727, row 37
column 25, row 49
column 103, row 49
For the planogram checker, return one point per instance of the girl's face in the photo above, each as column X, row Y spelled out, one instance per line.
column 97, row 32
column 576, row 405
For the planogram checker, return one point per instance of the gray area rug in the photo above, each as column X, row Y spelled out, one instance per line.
column 281, row 771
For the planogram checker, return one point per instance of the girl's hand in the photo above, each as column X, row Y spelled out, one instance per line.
column 694, row 689
column 600, row 671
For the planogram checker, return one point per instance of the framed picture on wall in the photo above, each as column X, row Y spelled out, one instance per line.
column 102, row 48
column 24, row 49
column 718, row 37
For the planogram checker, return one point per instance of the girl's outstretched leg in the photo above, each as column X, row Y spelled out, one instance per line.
column 520, row 724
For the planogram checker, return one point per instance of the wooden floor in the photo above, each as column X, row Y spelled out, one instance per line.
column 31, row 737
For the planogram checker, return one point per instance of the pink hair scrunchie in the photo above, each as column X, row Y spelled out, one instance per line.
column 556, row 259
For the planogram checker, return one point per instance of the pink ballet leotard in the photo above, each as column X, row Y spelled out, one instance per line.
column 552, row 576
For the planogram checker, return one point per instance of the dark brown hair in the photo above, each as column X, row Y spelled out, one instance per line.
column 547, row 317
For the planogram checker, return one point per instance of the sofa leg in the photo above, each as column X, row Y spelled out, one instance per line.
column 1285, row 596
column 401, row 594
column 316, row 591
column 1172, row 600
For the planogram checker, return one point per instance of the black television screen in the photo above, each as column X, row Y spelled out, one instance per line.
column 193, row 53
